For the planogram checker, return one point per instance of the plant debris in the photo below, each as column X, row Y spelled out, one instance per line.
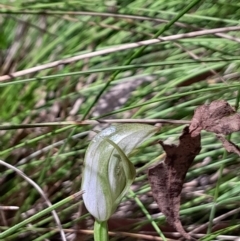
column 218, row 117
column 167, row 178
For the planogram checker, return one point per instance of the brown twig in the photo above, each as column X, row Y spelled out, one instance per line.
column 41, row 192
column 118, row 48
column 92, row 122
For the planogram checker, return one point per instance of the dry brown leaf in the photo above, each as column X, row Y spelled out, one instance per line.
column 166, row 179
column 228, row 145
column 218, row 117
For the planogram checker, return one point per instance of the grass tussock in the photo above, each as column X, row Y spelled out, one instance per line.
column 80, row 60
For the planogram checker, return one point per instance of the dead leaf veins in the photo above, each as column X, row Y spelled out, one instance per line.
column 166, row 179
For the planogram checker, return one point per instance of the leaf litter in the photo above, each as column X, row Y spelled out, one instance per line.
column 166, row 178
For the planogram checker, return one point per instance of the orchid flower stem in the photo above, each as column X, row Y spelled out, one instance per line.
column 100, row 231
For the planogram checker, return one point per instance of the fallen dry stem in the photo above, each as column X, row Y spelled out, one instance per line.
column 92, row 122
column 116, row 49
column 40, row 191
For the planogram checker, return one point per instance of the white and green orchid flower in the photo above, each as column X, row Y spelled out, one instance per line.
column 108, row 173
